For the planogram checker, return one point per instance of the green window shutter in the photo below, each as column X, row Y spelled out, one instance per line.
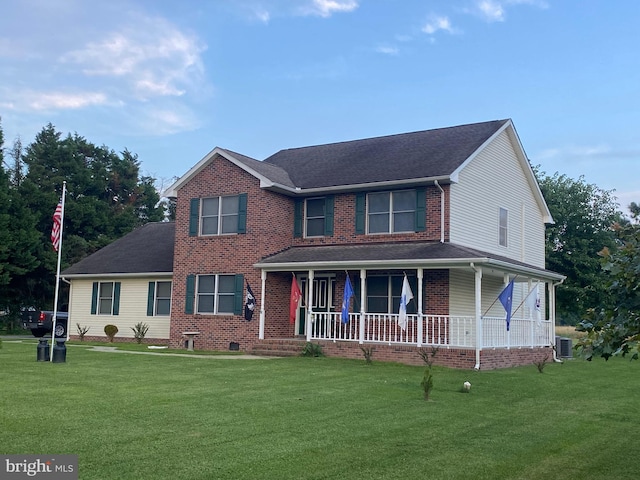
column 297, row 219
column 242, row 213
column 94, row 299
column 360, row 212
column 421, row 209
column 194, row 217
column 191, row 293
column 239, row 297
column 151, row 296
column 116, row 298
column 328, row 215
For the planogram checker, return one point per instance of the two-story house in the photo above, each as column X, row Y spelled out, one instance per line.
column 456, row 210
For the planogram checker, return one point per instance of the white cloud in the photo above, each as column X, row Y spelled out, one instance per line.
column 436, row 23
column 387, row 50
column 30, row 100
column 496, row 10
column 152, row 57
column 326, row 8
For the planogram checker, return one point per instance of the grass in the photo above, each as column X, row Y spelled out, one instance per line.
column 162, row 417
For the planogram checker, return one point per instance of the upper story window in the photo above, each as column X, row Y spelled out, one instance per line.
column 391, row 212
column 222, row 215
column 503, row 224
column 314, row 217
column 159, row 301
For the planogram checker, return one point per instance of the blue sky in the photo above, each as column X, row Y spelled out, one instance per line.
column 172, row 80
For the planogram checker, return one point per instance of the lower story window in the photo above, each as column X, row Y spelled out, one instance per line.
column 384, row 291
column 215, row 294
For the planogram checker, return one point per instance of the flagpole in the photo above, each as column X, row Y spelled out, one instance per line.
column 55, row 297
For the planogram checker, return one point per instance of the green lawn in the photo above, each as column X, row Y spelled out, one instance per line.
column 161, row 417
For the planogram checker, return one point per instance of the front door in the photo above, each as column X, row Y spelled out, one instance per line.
column 322, row 300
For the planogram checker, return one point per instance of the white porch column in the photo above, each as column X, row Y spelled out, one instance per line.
column 420, row 301
column 552, row 316
column 309, row 305
column 262, row 296
column 478, row 312
column 363, row 299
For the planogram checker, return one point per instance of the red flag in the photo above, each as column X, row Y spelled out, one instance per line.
column 57, row 227
column 296, row 295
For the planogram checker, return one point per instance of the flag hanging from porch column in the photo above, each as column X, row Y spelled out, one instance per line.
column 506, row 298
column 405, row 297
column 348, row 293
column 533, row 302
column 250, row 304
column 296, row 295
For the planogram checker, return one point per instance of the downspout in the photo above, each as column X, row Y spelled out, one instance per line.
column 441, row 210
column 478, row 312
column 553, row 323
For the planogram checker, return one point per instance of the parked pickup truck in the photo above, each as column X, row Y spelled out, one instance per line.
column 40, row 322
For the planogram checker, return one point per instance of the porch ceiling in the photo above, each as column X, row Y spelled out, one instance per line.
column 396, row 255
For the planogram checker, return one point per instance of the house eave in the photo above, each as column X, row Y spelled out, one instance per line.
column 92, row 276
column 358, row 187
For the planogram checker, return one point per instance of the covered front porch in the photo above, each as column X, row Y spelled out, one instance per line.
column 455, row 300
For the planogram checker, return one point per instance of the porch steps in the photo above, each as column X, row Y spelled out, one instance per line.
column 279, row 347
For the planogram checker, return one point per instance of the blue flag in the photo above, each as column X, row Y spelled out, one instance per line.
column 506, row 298
column 348, row 293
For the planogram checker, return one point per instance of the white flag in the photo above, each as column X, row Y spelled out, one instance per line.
column 405, row 298
column 533, row 302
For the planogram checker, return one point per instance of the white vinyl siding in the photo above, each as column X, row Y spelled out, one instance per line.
column 133, row 309
column 462, row 295
column 495, row 178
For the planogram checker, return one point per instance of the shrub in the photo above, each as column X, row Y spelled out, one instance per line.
column 427, row 379
column 82, row 331
column 139, row 331
column 312, row 350
column 110, row 331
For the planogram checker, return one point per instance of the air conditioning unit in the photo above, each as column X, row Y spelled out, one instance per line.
column 564, row 347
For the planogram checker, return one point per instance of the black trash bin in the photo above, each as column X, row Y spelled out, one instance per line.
column 59, row 351
column 43, row 350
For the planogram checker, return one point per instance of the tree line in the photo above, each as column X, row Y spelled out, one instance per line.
column 106, row 198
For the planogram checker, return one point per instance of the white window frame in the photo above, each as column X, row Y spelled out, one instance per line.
column 390, row 212
column 220, row 216
column 157, row 297
column 216, row 294
column 503, row 227
column 102, row 297
column 389, row 295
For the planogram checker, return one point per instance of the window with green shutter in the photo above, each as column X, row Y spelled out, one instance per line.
column 221, row 215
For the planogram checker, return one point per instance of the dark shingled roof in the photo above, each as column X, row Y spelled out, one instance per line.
column 425, row 154
column 411, row 252
column 270, row 171
column 147, row 249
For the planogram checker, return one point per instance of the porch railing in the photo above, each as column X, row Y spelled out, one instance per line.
column 434, row 330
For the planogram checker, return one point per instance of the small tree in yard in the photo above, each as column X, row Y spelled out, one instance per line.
column 427, row 379
column 616, row 330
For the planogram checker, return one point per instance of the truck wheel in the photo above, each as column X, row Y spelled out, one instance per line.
column 61, row 330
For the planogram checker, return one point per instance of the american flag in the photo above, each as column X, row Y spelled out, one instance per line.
column 57, row 227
